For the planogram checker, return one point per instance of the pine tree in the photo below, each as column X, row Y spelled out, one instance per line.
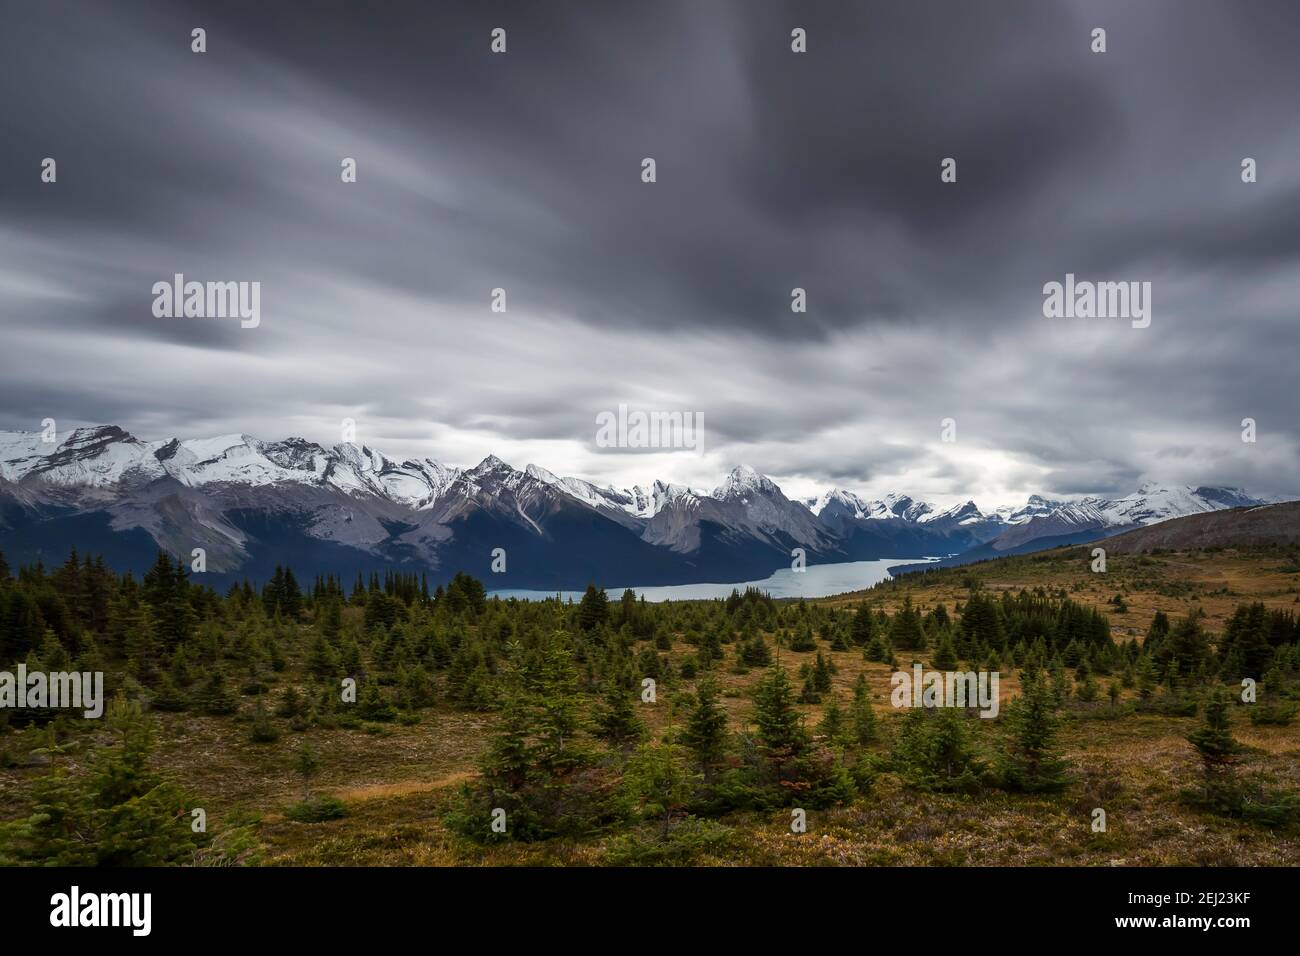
column 803, row 640
column 833, row 726
column 507, row 764
column 933, row 752
column 945, row 656
column 617, row 722
column 706, row 727
column 1156, row 633
column 179, row 669
column 290, row 597
column 649, row 663
column 331, row 619
column 1187, row 648
column 905, row 632
column 1245, row 642
column 877, row 650
column 176, row 619
column 414, row 688
column 1219, row 753
column 263, row 730
column 321, row 659
column 54, row 833
column 52, row 653
column 593, row 610
column 981, row 622
column 821, row 674
column 373, row 706
column 953, row 761
column 349, row 661
column 169, row 697
column 839, row 639
column 780, row 726
column 864, row 625
column 1062, row 686
column 809, row 694
column 159, row 582
column 559, row 709
column 291, row 704
column 141, row 645
column 861, row 714
column 658, row 781
column 214, row 697
column 754, row 652
column 1030, row 762
column 710, row 648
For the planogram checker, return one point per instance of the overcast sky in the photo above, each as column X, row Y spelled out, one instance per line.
column 522, row 171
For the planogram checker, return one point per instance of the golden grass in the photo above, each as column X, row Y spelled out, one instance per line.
column 1216, row 582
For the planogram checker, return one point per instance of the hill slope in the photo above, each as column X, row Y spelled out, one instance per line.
column 1238, row 527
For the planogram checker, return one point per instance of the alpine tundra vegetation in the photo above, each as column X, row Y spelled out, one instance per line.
column 385, row 720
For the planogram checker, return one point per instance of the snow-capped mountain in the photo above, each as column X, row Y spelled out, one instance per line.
column 251, row 504
column 746, row 509
column 847, row 504
column 108, row 457
column 1152, row 503
column 1036, row 506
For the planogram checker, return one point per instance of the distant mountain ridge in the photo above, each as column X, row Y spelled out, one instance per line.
column 252, row 504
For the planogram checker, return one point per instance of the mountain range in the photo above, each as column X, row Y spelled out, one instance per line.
column 252, row 505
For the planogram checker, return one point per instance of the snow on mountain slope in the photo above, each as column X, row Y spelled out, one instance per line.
column 965, row 513
column 105, row 457
column 97, row 457
column 586, row 492
column 744, row 483
column 1152, row 503
column 965, row 525
column 906, row 507
column 1036, row 505
column 20, row 452
column 748, row 499
column 847, row 504
column 416, row 484
column 354, row 495
column 240, row 459
column 746, row 508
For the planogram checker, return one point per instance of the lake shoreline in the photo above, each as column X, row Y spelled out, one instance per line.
column 814, row 581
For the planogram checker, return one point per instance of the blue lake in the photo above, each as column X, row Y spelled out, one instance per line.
column 817, row 580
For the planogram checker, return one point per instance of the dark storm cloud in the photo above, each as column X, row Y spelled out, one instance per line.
column 775, row 170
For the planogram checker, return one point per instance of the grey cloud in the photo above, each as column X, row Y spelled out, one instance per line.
column 775, row 171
